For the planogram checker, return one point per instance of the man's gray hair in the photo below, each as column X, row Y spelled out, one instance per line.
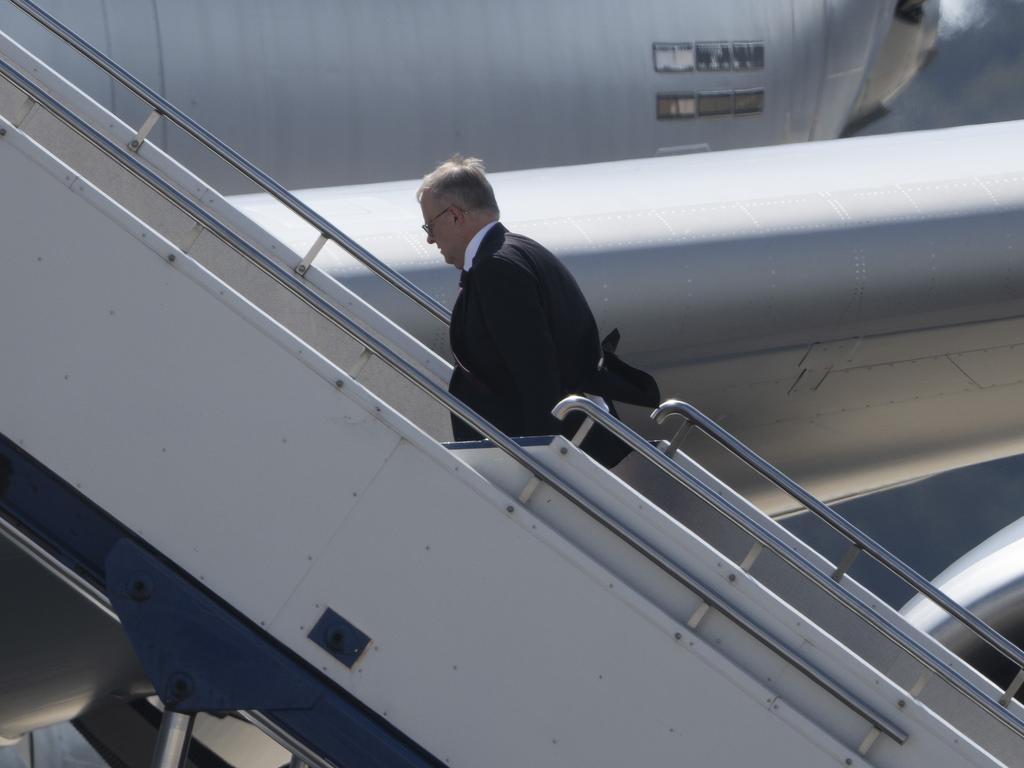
column 460, row 181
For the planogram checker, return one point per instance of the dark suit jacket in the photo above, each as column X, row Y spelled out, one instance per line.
column 523, row 337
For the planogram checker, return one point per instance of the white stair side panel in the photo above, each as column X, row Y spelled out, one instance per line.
column 494, row 647
column 929, row 735
column 95, row 393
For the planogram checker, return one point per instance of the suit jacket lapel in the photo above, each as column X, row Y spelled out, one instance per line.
column 456, row 333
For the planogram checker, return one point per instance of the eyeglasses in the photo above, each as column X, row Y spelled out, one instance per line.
column 429, row 226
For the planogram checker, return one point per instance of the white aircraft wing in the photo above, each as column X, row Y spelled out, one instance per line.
column 853, row 309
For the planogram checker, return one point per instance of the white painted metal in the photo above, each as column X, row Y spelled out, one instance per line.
column 497, row 639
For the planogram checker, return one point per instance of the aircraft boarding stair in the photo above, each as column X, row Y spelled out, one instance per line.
column 237, row 459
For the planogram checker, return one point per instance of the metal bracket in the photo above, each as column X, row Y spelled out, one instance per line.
column 529, row 489
column 698, row 615
column 24, row 110
column 922, row 681
column 1010, row 692
column 678, row 438
column 136, row 144
column 752, row 555
column 868, row 742
column 360, row 363
column 582, row 432
column 303, row 266
column 199, row 656
column 846, row 562
column 340, row 638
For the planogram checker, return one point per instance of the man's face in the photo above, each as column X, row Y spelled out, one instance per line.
column 445, row 226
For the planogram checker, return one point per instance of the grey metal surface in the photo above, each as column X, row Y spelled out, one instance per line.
column 67, row 575
column 299, row 751
column 323, row 93
column 762, row 533
column 45, row 621
column 173, row 740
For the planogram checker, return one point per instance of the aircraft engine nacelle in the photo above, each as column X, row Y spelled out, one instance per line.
column 320, row 94
column 988, row 581
column 908, row 47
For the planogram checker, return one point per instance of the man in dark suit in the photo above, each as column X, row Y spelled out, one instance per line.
column 522, row 333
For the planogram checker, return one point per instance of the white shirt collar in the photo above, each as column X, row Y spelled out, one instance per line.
column 474, row 245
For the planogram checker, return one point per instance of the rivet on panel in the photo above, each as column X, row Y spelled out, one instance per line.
column 170, row 256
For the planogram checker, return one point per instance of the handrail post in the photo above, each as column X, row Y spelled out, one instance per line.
column 136, row 144
column 677, row 439
column 1013, row 688
column 303, row 266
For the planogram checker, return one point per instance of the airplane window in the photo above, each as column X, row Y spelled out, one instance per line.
column 748, row 55
column 713, row 57
column 675, row 105
column 750, row 102
column 673, row 57
column 716, row 103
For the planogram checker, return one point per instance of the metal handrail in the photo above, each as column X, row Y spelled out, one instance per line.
column 302, row 290
column 793, row 557
column 860, row 540
column 164, row 108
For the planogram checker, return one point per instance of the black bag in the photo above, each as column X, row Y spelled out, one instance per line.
column 616, row 381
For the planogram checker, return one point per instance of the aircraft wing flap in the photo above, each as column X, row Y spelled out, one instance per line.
column 993, row 367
